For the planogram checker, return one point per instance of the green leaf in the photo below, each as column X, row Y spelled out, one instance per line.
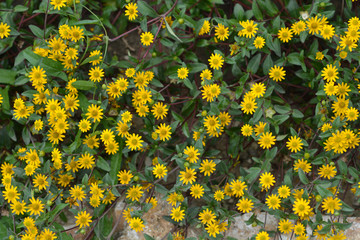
column 323, row 191
column 297, row 114
column 342, row 167
column 171, row 31
column 37, row 31
column 282, row 109
column 83, row 85
column 254, row 63
column 103, row 164
column 267, row 64
column 238, row 11
column 188, row 83
column 146, row 10
column 294, row 58
column 303, row 177
column 256, row 10
column 148, row 237
column 20, row 8
column 116, row 161
column 197, row 67
column 7, row 76
column 56, row 210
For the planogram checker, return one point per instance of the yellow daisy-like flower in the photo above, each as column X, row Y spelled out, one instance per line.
column 330, row 73
column 96, row 74
column 352, row 114
column 205, row 28
column 284, row 191
column 192, row 154
column 84, row 125
column 238, row 187
column 314, row 25
column 134, row 193
column 134, row 142
column 86, row 161
column 216, row 61
column 327, row 31
column 298, row 27
column 245, row 205
column 285, row 226
column 58, row 4
column 301, row 207
column 248, row 105
column 124, row 176
column 260, row 128
column 206, row 74
column 83, row 219
column 319, row 56
column 330, row 204
column 159, row 110
column 259, row 42
column 219, row 195
column 188, row 176
column 285, row 34
column 246, row 130
column 131, row 11
column 35, row 207
column 76, row 33
column 94, row 112
column 11, row 194
column 18, row 207
column 183, row 73
column 302, row 164
column 147, row 38
column 249, row 28
column 4, row 30
column 267, row 140
column 277, row 73
column 197, row 191
column 177, row 214
column 212, row 229
column 299, row 229
column 267, row 180
column 327, row 171
column 221, row 32
column 40, row 181
column 207, row 216
column 294, row 144
column 330, row 89
column 136, row 224
column 207, row 167
column 160, row 171
column 273, row 201
column 262, row 236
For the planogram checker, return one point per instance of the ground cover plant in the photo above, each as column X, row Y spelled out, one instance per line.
column 218, row 107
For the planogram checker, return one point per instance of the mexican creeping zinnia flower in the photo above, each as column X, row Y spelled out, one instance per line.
column 83, row 219
column 147, row 38
column 131, row 11
column 216, row 61
column 294, row 144
column 4, row 30
column 267, row 180
column 266, row 140
column 177, row 214
column 330, row 73
column 221, row 32
column 277, row 73
column 285, row 34
column 136, row 224
column 331, row 204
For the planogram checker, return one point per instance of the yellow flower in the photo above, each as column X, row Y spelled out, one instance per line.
column 177, row 214
column 207, row 216
column 330, row 73
column 40, row 181
column 319, row 56
column 96, row 191
column 18, row 207
column 192, row 154
column 86, row 161
column 330, row 204
column 76, row 33
column 197, row 191
column 219, row 195
column 205, row 28
column 285, row 226
column 327, row 171
column 259, row 128
column 77, row 193
column 58, row 4
column 246, row 130
column 134, row 142
column 134, row 193
column 84, row 125
column 216, row 61
column 238, row 187
column 301, row 207
column 4, row 30
column 258, row 90
column 159, row 110
column 285, row 34
column 299, row 229
column 206, row 74
column 314, row 25
column 164, row 132
column 136, row 224
column 160, row 171
column 11, row 194
column 266, row 140
column 302, row 164
column 284, row 191
column 327, row 31
column 207, row 167
column 277, row 73
column 182, row 73
column 262, row 236
column 267, row 180
column 96, row 74
column 35, row 207
column 94, row 112
column 273, row 201
column 249, row 29
column 330, row 89
column 352, row 114
column 124, row 176
column 221, row 32
column 98, row 54
column 188, row 176
column 225, row 119
column 248, row 105
column 212, row 229
column 298, row 27
column 294, row 144
column 83, row 219
column 245, row 205
column 210, row 92
column 131, row 11
column 147, row 38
